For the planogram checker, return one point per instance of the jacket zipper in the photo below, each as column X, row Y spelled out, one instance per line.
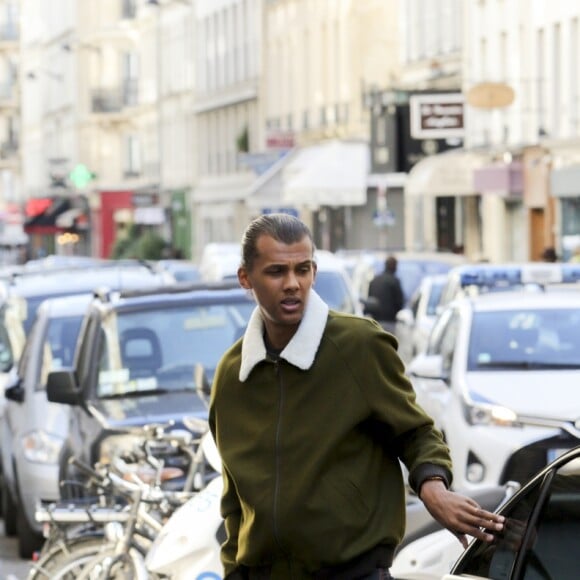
column 277, row 455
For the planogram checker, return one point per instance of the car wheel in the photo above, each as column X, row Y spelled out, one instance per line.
column 29, row 540
column 9, row 511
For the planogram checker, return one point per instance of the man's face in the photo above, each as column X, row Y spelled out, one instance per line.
column 280, row 279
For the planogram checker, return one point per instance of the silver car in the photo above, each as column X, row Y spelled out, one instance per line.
column 34, row 429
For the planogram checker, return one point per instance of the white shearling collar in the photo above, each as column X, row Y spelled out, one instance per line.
column 301, row 349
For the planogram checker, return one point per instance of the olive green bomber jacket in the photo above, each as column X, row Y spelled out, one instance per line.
column 311, row 443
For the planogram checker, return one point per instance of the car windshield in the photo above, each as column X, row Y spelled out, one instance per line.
column 525, row 339
column 162, row 349
column 333, row 289
column 59, row 345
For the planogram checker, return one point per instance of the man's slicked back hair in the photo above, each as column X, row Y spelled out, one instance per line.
column 282, row 227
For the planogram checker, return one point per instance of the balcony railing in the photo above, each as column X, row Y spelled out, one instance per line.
column 114, row 100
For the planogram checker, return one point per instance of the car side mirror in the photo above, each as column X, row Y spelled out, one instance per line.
column 13, row 390
column 62, row 387
column 428, row 366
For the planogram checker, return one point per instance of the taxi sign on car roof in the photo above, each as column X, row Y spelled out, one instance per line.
column 494, row 275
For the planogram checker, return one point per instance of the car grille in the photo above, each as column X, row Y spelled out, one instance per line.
column 525, row 462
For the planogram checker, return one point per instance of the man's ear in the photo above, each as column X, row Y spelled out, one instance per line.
column 243, row 278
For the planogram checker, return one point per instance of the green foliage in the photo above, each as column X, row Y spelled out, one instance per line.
column 243, row 141
column 139, row 244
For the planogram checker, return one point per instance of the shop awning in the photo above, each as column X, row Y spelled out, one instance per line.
column 503, row 179
column 450, row 173
column 52, row 215
column 332, row 173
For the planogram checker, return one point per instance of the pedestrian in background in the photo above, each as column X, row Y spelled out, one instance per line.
column 385, row 296
column 549, row 255
column 311, row 412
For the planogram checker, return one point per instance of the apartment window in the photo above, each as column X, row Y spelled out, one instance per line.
column 305, row 119
column 289, row 122
column 130, row 68
column 132, row 157
column 322, row 114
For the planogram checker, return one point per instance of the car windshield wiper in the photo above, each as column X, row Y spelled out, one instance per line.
column 528, row 364
column 136, row 393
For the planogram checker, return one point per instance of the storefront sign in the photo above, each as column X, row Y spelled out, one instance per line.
column 437, row 116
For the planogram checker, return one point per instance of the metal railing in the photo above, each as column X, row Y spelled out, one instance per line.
column 114, row 100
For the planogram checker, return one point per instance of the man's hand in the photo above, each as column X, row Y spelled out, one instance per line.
column 461, row 515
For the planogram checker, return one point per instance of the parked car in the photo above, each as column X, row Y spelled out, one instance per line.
column 415, row 321
column 33, row 429
column 20, row 301
column 141, row 358
column 500, row 377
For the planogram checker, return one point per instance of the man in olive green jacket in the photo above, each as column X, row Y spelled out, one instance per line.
column 311, row 412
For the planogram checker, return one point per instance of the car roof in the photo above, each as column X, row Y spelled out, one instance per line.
column 59, row 282
column 202, row 293
column 66, row 306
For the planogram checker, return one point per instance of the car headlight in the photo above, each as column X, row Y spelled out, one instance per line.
column 41, row 447
column 487, row 414
column 118, row 445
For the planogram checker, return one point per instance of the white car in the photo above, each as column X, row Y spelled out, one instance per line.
column 415, row 321
column 500, row 378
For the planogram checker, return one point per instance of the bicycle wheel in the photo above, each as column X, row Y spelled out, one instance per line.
column 53, row 558
column 71, row 566
column 109, row 565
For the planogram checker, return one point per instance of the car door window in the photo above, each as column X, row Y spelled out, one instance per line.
column 434, row 344
column 448, row 340
column 58, row 346
column 541, row 533
column 497, row 560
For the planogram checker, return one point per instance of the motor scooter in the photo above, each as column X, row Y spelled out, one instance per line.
column 188, row 546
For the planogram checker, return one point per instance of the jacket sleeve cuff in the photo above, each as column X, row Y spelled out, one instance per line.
column 419, row 475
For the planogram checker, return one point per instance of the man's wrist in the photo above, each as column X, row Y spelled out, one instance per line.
column 432, row 478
